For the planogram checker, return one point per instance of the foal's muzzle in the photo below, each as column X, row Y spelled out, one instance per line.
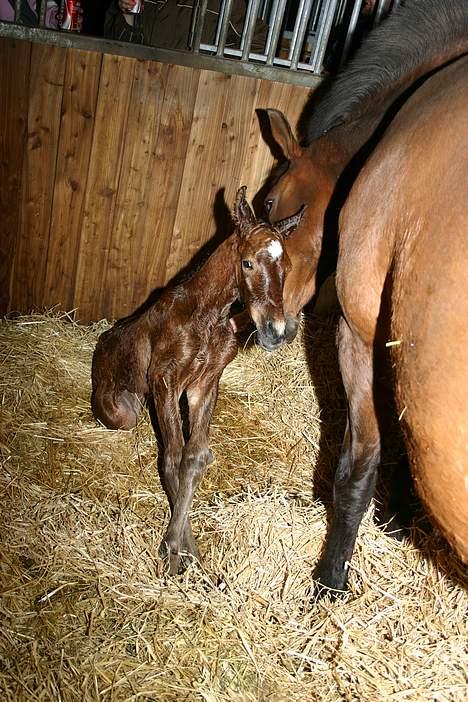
column 273, row 333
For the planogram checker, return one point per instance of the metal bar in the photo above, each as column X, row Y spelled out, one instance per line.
column 17, row 11
column 271, row 24
column 325, row 25
column 315, row 16
column 193, row 24
column 340, row 11
column 42, row 12
column 350, row 33
column 381, row 7
column 224, row 27
column 249, row 28
column 265, row 11
column 274, row 34
column 300, row 27
column 199, row 22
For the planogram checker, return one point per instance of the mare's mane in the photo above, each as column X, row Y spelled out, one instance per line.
column 412, row 34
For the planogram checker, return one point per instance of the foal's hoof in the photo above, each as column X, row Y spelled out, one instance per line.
column 177, row 561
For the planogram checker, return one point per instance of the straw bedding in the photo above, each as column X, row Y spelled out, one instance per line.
column 87, row 612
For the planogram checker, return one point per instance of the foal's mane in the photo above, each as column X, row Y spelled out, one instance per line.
column 414, row 33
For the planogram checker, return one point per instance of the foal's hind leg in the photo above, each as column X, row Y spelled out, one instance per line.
column 360, row 455
column 116, row 410
column 196, row 457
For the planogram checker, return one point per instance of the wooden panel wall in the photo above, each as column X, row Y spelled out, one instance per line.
column 111, row 171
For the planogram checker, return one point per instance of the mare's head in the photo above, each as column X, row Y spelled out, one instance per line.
column 309, row 180
column 264, row 264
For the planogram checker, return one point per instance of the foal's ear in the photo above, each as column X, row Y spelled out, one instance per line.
column 289, row 224
column 242, row 215
column 283, row 135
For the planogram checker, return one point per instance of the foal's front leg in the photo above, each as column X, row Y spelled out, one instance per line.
column 196, row 457
column 166, row 402
column 360, row 455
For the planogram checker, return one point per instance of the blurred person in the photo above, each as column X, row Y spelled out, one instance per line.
column 28, row 14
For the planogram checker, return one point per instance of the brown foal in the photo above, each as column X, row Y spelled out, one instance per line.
column 183, row 342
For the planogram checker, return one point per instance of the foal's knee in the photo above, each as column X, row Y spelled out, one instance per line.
column 119, row 412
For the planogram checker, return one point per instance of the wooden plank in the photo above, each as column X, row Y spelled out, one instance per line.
column 215, row 160
column 38, row 174
column 103, row 180
column 15, row 59
column 76, row 133
column 160, row 117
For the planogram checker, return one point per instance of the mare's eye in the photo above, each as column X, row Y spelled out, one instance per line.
column 268, row 205
column 247, row 264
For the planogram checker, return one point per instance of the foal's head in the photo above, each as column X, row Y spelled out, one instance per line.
column 264, row 264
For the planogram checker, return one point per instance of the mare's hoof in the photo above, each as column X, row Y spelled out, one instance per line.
column 331, row 581
column 320, row 591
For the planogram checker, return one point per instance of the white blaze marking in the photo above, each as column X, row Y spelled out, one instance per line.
column 280, row 326
column 275, row 249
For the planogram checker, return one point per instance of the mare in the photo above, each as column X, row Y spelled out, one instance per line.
column 182, row 343
column 410, row 246
column 346, row 122
column 391, row 126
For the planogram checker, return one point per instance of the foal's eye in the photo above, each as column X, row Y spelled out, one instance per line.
column 247, row 264
column 268, row 205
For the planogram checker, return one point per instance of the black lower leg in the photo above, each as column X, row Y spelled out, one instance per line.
column 353, row 491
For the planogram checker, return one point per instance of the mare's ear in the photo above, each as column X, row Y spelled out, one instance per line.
column 242, row 215
column 289, row 224
column 283, row 135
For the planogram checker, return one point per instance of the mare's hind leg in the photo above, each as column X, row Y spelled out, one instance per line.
column 360, row 455
column 397, row 513
column 196, row 457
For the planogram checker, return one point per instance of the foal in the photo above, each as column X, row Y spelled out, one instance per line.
column 183, row 342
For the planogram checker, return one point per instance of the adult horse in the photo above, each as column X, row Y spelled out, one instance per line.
column 377, row 106
column 402, row 286
column 346, row 123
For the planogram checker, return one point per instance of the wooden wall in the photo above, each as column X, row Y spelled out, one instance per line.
column 110, row 168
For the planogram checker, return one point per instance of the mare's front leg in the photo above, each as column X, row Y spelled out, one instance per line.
column 360, row 455
column 166, row 402
column 196, row 457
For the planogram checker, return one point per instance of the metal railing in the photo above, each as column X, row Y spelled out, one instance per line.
column 300, row 39
column 301, row 49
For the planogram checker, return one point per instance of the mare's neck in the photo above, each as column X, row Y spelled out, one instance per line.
column 389, row 66
column 347, row 141
column 215, row 285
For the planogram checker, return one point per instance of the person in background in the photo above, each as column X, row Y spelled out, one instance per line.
column 166, row 23
column 28, row 15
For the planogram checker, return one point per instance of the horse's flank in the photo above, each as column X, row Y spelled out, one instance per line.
column 411, row 249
